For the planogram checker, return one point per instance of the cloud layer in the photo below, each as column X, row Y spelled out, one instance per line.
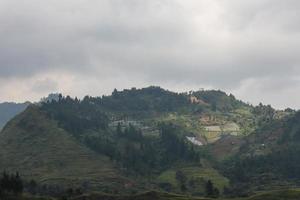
column 83, row 47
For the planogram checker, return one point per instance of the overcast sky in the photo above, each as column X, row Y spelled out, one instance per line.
column 250, row 48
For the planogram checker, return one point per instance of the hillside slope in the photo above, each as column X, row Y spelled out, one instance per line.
column 36, row 147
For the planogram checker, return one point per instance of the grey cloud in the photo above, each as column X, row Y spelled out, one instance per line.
column 45, row 85
column 220, row 43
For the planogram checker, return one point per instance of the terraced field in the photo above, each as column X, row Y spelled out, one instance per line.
column 210, row 127
column 213, row 133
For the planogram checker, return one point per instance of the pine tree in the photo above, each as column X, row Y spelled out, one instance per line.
column 32, row 186
column 209, row 188
column 17, row 186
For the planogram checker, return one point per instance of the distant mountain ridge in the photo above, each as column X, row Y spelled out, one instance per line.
column 9, row 109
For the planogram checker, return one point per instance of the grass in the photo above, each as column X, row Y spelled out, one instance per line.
column 207, row 174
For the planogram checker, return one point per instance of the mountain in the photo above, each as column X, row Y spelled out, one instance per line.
column 9, row 110
column 141, row 139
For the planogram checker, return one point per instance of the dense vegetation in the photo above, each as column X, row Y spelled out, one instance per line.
column 271, row 155
column 127, row 146
column 141, row 101
column 284, row 163
column 75, row 116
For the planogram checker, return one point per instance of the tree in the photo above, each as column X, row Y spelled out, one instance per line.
column 60, row 97
column 181, row 178
column 216, row 193
column 10, row 183
column 32, row 186
column 119, row 129
column 18, row 184
column 115, row 93
column 209, row 188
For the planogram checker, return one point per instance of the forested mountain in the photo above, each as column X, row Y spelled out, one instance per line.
column 201, row 143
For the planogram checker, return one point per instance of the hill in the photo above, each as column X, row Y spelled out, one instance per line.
column 138, row 139
column 38, row 149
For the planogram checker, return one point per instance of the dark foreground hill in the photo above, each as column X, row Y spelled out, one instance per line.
column 35, row 146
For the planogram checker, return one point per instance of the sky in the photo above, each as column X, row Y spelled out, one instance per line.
column 249, row 48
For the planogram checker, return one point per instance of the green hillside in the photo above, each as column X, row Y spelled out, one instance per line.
column 37, row 148
column 269, row 158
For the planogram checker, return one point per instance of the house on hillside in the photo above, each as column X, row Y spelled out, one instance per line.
column 194, row 141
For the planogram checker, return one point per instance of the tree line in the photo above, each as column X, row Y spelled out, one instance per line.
column 10, row 184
